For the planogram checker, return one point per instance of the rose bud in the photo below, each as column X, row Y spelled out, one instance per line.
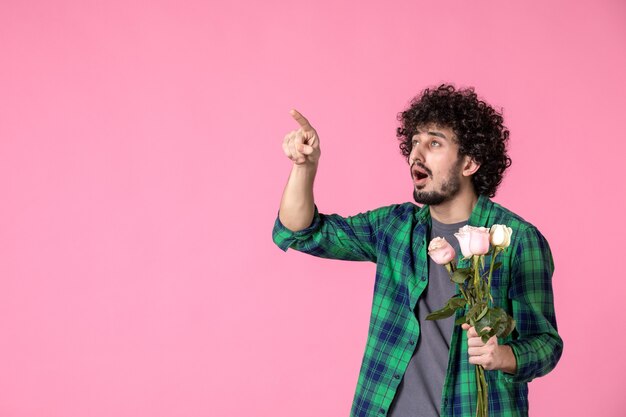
column 501, row 236
column 441, row 251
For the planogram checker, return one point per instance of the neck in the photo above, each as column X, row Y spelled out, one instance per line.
column 457, row 209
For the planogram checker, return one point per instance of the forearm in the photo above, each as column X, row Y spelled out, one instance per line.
column 536, row 343
column 535, row 355
column 297, row 205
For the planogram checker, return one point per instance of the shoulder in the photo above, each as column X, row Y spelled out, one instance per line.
column 394, row 214
column 525, row 234
column 401, row 210
column 502, row 215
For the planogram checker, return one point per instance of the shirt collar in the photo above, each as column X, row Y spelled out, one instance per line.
column 479, row 217
column 480, row 213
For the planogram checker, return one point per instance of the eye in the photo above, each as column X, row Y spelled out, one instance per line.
column 435, row 143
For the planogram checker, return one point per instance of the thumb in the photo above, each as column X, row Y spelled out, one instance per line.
column 305, row 149
column 465, row 326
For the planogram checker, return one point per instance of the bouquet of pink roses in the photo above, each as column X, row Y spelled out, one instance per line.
column 474, row 283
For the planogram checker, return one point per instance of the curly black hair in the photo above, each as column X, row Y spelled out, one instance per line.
column 479, row 130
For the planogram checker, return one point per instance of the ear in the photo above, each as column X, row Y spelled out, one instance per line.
column 470, row 166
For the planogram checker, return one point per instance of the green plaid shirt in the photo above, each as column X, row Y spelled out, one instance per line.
column 396, row 239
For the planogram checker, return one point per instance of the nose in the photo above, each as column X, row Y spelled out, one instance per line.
column 416, row 155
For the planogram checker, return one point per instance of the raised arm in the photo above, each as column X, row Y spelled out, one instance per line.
column 299, row 226
column 302, row 146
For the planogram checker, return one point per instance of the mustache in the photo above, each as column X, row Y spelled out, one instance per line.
column 422, row 166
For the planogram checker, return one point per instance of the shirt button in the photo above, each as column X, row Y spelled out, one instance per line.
column 423, row 278
column 396, row 376
column 382, row 411
column 411, row 342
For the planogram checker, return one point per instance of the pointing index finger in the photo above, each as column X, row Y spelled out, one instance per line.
column 302, row 121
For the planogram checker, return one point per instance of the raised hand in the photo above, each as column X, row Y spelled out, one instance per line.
column 302, row 146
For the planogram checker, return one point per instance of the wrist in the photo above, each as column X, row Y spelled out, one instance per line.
column 304, row 172
column 508, row 364
column 307, row 166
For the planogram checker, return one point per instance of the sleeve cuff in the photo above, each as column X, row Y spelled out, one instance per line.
column 523, row 358
column 284, row 238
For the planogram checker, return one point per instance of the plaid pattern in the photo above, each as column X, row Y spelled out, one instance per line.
column 395, row 238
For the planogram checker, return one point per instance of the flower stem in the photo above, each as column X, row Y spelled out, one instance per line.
column 482, row 405
column 477, row 288
column 494, row 253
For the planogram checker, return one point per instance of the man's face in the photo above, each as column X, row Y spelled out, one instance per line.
column 435, row 165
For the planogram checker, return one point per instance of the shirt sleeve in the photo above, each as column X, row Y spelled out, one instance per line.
column 538, row 347
column 332, row 236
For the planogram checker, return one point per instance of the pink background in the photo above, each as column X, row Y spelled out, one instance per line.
column 141, row 171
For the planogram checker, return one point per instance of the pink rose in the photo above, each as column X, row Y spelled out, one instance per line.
column 473, row 240
column 463, row 236
column 479, row 240
column 441, row 251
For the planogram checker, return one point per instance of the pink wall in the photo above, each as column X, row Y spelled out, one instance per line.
column 141, row 170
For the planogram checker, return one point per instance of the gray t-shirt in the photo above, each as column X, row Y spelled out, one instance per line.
column 419, row 392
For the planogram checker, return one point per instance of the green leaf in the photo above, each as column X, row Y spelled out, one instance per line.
column 483, row 286
column 469, row 284
column 497, row 266
column 474, row 311
column 448, row 310
column 461, row 275
column 457, row 302
column 460, row 320
column 502, row 320
column 441, row 314
column 495, row 322
column 490, row 319
column 509, row 327
column 482, row 313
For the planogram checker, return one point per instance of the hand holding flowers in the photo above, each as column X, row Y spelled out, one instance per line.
column 490, row 355
column 483, row 322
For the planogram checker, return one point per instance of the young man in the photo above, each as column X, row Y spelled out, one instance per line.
column 455, row 145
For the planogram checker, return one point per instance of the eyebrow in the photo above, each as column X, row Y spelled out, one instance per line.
column 433, row 133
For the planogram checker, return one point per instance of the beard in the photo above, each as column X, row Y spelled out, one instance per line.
column 449, row 189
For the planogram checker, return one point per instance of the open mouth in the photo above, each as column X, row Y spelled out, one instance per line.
column 419, row 174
